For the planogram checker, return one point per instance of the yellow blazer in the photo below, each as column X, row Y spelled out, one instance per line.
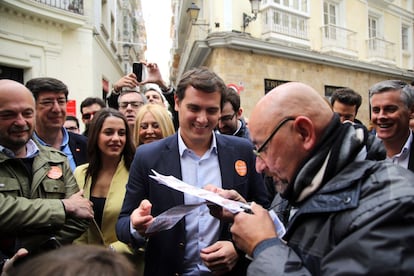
column 113, row 204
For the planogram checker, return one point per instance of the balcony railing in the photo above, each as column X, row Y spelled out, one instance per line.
column 285, row 23
column 380, row 50
column 285, row 27
column 75, row 6
column 338, row 40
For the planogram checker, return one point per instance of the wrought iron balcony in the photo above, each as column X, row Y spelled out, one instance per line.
column 338, row 41
column 380, row 50
column 75, row 6
column 284, row 26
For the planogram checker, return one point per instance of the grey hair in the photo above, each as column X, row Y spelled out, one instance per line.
column 144, row 99
column 406, row 90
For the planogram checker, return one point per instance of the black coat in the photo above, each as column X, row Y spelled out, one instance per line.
column 78, row 146
column 411, row 160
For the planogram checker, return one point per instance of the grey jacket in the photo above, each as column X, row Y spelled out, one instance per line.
column 360, row 223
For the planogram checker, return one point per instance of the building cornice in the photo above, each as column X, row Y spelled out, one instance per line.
column 244, row 42
column 45, row 12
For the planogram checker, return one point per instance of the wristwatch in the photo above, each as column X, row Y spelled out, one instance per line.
column 168, row 90
column 113, row 91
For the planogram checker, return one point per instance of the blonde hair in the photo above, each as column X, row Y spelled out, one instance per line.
column 162, row 117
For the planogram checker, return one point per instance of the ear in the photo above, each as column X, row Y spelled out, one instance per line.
column 412, row 112
column 306, row 130
column 239, row 113
column 177, row 103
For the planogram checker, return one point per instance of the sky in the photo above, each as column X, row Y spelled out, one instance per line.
column 157, row 15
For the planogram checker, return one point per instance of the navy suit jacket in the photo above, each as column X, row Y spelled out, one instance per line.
column 165, row 250
column 78, row 147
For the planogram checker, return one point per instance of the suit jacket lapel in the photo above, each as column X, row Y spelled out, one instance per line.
column 226, row 162
column 172, row 166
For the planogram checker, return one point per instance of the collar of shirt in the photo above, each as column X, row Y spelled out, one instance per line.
column 239, row 125
column 31, row 150
column 64, row 147
column 182, row 148
column 403, row 157
column 65, row 139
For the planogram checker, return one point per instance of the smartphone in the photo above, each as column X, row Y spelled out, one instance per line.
column 137, row 69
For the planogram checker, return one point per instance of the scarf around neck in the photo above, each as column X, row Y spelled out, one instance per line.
column 339, row 146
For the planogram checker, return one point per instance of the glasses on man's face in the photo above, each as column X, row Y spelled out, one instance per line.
column 227, row 118
column 88, row 116
column 50, row 102
column 134, row 104
column 263, row 146
column 71, row 128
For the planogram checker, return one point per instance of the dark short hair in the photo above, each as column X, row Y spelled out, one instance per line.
column 233, row 98
column 94, row 153
column 38, row 85
column 346, row 96
column 90, row 101
column 76, row 259
column 407, row 91
column 73, row 118
column 201, row 79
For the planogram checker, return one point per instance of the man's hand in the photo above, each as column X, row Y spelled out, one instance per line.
column 126, row 81
column 218, row 211
column 154, row 75
column 220, row 257
column 9, row 263
column 78, row 206
column 245, row 228
column 141, row 217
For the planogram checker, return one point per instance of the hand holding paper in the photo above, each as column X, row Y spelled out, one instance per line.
column 169, row 218
column 176, row 184
column 141, row 217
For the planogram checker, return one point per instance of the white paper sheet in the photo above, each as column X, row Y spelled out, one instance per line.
column 176, row 184
column 169, row 218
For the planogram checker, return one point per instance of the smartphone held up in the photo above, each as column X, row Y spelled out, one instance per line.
column 139, row 69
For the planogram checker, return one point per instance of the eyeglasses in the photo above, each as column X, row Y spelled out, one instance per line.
column 226, row 118
column 51, row 102
column 134, row 104
column 71, row 128
column 88, row 116
column 262, row 147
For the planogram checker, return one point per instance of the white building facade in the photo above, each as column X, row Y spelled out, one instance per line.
column 327, row 44
column 88, row 45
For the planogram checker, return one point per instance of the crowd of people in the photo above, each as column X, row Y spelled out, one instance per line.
column 342, row 193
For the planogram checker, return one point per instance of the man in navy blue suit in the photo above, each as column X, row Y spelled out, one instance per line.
column 199, row 244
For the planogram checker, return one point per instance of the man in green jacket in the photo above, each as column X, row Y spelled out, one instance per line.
column 40, row 203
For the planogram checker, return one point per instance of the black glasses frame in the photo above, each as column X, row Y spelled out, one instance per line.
column 279, row 125
column 224, row 119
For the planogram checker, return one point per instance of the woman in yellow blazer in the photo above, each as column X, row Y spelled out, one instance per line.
column 110, row 154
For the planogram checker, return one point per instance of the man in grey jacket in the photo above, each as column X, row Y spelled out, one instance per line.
column 353, row 214
column 40, row 202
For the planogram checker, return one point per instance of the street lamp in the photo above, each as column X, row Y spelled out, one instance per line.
column 248, row 18
column 193, row 12
column 126, row 48
column 125, row 56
